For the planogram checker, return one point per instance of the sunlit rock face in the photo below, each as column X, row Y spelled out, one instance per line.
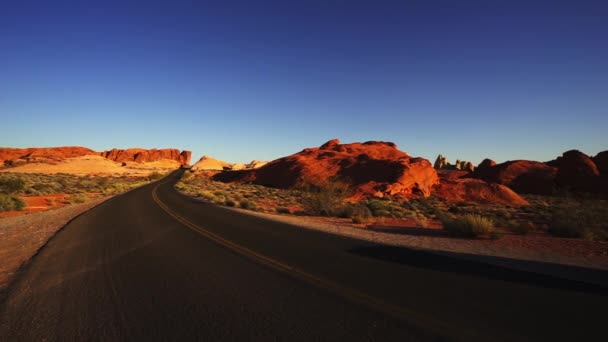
column 372, row 167
column 17, row 156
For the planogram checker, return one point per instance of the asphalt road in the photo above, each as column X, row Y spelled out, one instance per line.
column 152, row 264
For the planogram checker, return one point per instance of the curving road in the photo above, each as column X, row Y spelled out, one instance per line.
column 152, row 264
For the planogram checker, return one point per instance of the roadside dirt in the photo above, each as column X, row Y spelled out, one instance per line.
column 22, row 236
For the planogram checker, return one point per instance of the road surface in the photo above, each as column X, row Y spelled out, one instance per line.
column 152, row 264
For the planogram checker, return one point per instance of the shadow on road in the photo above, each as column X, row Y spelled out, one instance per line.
column 446, row 263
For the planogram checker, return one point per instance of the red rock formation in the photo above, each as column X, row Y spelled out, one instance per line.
column 455, row 189
column 370, row 167
column 523, row 176
column 601, row 161
column 41, row 154
column 140, row 155
column 577, row 172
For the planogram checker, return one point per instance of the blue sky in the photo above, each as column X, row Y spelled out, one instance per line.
column 243, row 80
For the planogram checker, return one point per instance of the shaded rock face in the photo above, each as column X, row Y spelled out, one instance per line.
column 370, row 167
column 485, row 164
column 140, row 155
column 573, row 171
column 17, row 156
column 455, row 189
column 523, row 176
column 601, row 161
column 577, row 172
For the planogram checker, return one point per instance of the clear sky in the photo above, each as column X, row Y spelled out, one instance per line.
column 242, row 80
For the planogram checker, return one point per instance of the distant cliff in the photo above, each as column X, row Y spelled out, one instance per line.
column 17, row 156
column 140, row 155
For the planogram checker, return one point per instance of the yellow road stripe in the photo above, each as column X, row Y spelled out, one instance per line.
column 423, row 322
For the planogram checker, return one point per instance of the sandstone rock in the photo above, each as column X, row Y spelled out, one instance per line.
column 441, row 162
column 576, row 172
column 485, row 164
column 601, row 161
column 208, row 163
column 255, row 164
column 370, row 167
column 330, row 144
column 475, row 190
column 140, row 155
column 523, row 176
column 17, row 156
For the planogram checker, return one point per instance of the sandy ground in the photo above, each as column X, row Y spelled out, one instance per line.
column 532, row 247
column 90, row 164
column 22, row 236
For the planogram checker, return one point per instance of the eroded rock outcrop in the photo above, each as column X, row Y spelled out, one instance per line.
column 140, row 155
column 441, row 163
column 371, row 167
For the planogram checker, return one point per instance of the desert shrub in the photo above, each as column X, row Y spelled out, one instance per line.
column 10, row 185
column 584, row 219
column 10, row 202
column 382, row 213
column 358, row 212
column 245, row 204
column 283, row 210
column 467, row 225
column 495, row 235
column 207, row 195
column 421, row 221
column 326, row 200
column 521, row 228
column 77, row 198
column 156, row 175
column 229, row 203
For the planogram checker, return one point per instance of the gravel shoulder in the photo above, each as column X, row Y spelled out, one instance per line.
column 22, row 236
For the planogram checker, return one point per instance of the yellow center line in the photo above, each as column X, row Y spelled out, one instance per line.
column 423, row 322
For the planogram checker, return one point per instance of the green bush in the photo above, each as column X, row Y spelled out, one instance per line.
column 245, row 204
column 229, row 203
column 467, row 225
column 10, row 202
